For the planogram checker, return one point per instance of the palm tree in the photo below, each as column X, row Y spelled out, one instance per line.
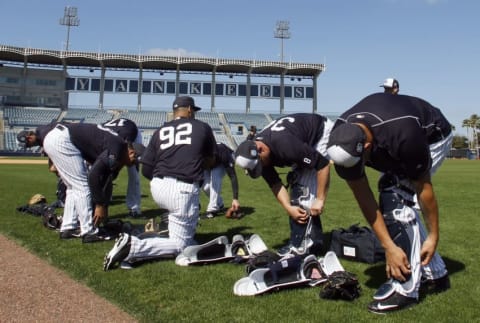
column 472, row 123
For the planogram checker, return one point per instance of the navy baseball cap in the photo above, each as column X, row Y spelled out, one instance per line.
column 345, row 144
column 185, row 102
column 246, row 156
column 22, row 138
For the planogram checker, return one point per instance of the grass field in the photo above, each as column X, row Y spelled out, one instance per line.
column 163, row 292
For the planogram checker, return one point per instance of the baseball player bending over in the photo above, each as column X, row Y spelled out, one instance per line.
column 69, row 146
column 174, row 161
column 299, row 141
column 127, row 129
column 406, row 138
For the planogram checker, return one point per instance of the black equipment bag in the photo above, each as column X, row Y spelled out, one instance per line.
column 357, row 243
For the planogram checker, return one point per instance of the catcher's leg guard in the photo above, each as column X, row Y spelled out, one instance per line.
column 401, row 221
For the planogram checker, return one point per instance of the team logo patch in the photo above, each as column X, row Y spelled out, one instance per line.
column 359, row 147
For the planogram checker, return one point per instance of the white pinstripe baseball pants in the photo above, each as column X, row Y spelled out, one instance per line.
column 182, row 201
column 71, row 168
column 213, row 188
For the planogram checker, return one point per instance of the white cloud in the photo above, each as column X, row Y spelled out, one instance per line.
column 176, row 52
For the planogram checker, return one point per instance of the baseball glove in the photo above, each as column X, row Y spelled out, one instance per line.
column 37, row 199
column 341, row 285
column 232, row 214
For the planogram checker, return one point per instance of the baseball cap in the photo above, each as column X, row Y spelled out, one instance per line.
column 345, row 144
column 246, row 156
column 390, row 83
column 22, row 138
column 184, row 102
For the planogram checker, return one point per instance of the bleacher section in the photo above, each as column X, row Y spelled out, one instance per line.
column 146, row 119
column 88, row 115
column 229, row 128
column 259, row 120
column 29, row 116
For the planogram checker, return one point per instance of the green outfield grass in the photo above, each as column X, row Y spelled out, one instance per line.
column 164, row 292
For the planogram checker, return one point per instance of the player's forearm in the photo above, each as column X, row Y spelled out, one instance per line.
column 323, row 183
column 282, row 195
column 429, row 206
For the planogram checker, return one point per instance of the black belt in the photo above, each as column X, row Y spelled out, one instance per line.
column 188, row 181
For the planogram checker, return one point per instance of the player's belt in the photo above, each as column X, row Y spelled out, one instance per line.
column 60, row 127
column 188, row 181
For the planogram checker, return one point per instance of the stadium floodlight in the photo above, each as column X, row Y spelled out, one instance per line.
column 69, row 19
column 282, row 32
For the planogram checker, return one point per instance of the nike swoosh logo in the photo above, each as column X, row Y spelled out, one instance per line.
column 386, row 307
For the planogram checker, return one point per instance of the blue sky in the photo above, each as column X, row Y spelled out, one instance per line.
column 431, row 46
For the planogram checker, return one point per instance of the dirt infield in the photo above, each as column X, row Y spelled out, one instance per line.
column 13, row 161
column 33, row 291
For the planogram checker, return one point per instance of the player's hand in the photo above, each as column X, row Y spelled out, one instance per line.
column 235, row 205
column 397, row 265
column 100, row 214
column 317, row 207
column 428, row 249
column 298, row 214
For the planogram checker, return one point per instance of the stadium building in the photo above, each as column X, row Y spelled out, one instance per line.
column 38, row 86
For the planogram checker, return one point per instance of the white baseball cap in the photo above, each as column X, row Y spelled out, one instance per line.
column 390, row 83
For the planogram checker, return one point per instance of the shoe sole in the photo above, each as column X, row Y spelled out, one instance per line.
column 108, row 260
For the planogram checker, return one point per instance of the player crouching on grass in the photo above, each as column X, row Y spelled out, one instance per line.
column 299, row 141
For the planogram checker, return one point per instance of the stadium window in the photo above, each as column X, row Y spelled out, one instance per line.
column 70, row 84
column 146, row 86
column 207, row 89
column 288, row 91
column 219, row 89
column 133, row 86
column 276, row 91
column 254, row 90
column 242, row 90
column 195, row 88
column 183, row 88
column 95, row 85
column 171, row 87
column 109, row 85
column 309, row 92
column 299, row 92
column 231, row 89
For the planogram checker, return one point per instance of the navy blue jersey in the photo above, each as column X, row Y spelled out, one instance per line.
column 178, row 149
column 403, row 127
column 104, row 150
column 292, row 140
column 126, row 128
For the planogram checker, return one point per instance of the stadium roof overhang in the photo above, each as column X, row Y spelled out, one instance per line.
column 74, row 59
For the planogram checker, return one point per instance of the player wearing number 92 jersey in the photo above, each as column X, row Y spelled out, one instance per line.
column 174, row 161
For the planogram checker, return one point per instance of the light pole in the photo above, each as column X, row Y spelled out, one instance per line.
column 282, row 32
column 69, row 19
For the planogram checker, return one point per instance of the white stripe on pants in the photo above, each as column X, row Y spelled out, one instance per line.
column 212, row 186
column 182, row 201
column 69, row 162
column 134, row 194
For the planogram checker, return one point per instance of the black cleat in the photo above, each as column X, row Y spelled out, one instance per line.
column 391, row 303
column 435, row 285
column 119, row 252
column 70, row 234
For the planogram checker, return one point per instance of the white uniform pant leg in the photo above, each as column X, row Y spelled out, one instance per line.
column 181, row 200
column 215, row 203
column 408, row 217
column 71, row 168
column 134, row 194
